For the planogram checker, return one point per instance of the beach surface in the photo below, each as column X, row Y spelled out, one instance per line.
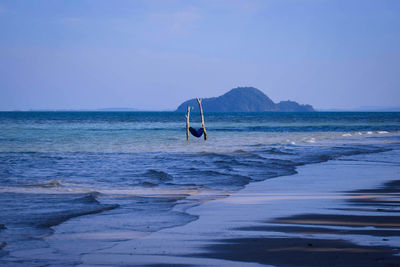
column 343, row 212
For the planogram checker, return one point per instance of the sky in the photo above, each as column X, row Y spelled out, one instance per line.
column 153, row 55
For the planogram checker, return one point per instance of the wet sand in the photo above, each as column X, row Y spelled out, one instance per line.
column 302, row 252
column 324, row 252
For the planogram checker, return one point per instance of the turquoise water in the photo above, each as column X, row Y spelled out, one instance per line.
column 137, row 170
column 165, row 131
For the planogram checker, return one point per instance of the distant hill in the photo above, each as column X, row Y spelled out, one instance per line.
column 244, row 99
column 117, row 109
column 378, row 109
column 83, row 110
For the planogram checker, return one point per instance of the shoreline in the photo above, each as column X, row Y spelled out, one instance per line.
column 321, row 210
column 226, row 227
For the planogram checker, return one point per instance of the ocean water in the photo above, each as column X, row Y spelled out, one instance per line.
column 137, row 171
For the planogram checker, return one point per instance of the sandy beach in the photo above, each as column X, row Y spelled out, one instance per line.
column 342, row 212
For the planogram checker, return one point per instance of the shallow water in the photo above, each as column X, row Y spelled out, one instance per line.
column 135, row 167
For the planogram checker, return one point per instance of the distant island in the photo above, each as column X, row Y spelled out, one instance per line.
column 245, row 99
column 83, row 110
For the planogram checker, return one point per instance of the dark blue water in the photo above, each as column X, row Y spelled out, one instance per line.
column 137, row 170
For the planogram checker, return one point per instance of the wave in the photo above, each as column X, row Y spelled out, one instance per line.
column 308, row 128
column 209, row 154
column 148, row 184
column 247, row 154
column 88, row 198
column 51, row 183
column 45, row 210
column 159, row 175
column 219, row 180
column 277, row 151
column 57, row 218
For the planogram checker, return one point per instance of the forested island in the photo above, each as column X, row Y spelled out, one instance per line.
column 245, row 99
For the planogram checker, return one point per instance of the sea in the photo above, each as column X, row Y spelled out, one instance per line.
column 135, row 172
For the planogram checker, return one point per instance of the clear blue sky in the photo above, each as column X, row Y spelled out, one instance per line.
column 146, row 54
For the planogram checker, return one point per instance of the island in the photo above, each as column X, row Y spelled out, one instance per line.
column 245, row 99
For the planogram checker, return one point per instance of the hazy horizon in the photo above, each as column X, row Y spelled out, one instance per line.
column 154, row 55
column 129, row 109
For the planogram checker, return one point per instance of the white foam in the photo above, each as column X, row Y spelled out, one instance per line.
column 369, row 132
column 346, row 134
column 382, row 132
column 120, row 192
column 291, row 142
